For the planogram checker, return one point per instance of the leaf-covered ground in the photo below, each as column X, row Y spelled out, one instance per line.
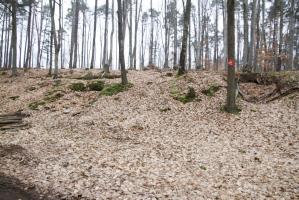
column 144, row 144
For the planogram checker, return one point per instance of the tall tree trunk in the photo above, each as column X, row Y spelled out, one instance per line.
column 189, row 47
column 207, row 57
column 175, row 51
column 26, row 64
column 291, row 36
column 131, row 34
column 238, row 41
column 121, row 17
column 199, row 65
column 258, row 37
column 245, row 32
column 166, row 25
column 83, row 44
column 7, row 43
column 142, row 43
column 216, row 40
column 252, row 52
column 92, row 62
column 137, row 17
column 264, row 42
column 279, row 61
column 56, row 41
column 2, row 39
column 275, row 31
column 76, row 34
column 225, row 53
column 231, row 85
column 39, row 37
column 14, row 38
column 151, row 49
column 51, row 50
column 182, row 68
column 105, row 50
column 111, row 35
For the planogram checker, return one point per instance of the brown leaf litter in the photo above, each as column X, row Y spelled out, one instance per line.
column 127, row 147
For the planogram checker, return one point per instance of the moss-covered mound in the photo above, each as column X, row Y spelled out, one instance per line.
column 115, row 88
column 211, row 90
column 96, row 86
column 186, row 97
column 78, row 87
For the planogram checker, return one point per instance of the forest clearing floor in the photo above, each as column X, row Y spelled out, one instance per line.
column 144, row 144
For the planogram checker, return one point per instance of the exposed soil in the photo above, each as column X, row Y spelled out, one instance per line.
column 144, row 144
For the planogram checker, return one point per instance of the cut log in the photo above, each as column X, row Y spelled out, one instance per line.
column 12, row 121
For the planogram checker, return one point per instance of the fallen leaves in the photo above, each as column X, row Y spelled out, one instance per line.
column 142, row 144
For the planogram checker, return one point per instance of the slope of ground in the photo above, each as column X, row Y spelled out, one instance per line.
column 143, row 144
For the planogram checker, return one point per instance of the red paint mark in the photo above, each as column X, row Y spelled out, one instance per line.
column 231, row 62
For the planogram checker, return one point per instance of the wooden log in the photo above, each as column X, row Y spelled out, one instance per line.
column 12, row 121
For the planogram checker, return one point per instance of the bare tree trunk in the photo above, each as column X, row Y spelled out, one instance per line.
column 104, row 61
column 39, row 37
column 245, row 32
column 137, row 17
column 291, row 36
column 216, row 40
column 279, row 61
column 26, row 64
column 111, row 36
column 238, row 41
column 2, row 39
column 120, row 15
column 198, row 64
column 56, row 41
column 252, row 52
column 51, row 51
column 231, row 85
column 130, row 34
column 151, row 49
column 182, row 68
column 142, row 42
column 175, row 51
column 94, row 34
column 14, row 38
column 275, row 30
column 7, row 44
column 76, row 34
column 225, row 33
column 166, row 25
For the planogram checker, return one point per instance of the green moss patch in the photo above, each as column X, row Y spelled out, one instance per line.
column 52, row 97
column 34, row 105
column 115, row 88
column 78, row 87
column 211, row 90
column 184, row 97
column 96, row 86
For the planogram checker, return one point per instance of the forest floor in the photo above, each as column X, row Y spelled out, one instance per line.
column 144, row 144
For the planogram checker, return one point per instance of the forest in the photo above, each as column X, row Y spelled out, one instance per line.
column 149, row 99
